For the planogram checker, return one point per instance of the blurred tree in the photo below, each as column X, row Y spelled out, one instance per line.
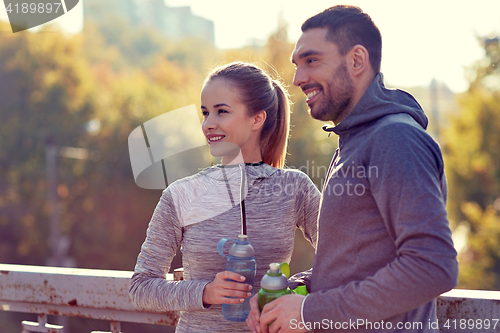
column 115, row 215
column 139, row 46
column 44, row 94
column 472, row 153
column 51, row 88
column 90, row 91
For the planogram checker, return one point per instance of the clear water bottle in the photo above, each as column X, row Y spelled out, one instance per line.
column 240, row 260
column 273, row 285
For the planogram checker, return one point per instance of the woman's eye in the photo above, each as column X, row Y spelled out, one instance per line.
column 222, row 111
column 204, row 113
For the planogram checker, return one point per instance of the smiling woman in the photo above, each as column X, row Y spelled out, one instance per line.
column 246, row 122
column 257, row 108
column 230, row 132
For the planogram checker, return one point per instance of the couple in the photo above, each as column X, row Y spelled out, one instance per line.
column 383, row 249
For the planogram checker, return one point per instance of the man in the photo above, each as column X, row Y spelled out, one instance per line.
column 384, row 250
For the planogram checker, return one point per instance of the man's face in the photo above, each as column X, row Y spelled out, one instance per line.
column 322, row 74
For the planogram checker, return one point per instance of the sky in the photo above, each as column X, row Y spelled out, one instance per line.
column 421, row 40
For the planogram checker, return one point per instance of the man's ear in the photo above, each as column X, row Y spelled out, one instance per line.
column 258, row 120
column 359, row 60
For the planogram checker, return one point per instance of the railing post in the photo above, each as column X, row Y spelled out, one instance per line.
column 115, row 327
column 41, row 326
column 42, row 319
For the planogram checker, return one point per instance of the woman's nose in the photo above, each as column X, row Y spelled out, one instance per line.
column 209, row 123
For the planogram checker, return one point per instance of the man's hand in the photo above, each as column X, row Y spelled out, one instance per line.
column 216, row 291
column 254, row 316
column 283, row 313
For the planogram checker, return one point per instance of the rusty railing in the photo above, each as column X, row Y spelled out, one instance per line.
column 103, row 294
column 87, row 293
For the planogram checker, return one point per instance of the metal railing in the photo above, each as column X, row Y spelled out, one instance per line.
column 103, row 294
column 87, row 293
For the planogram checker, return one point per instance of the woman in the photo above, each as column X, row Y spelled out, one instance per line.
column 246, row 122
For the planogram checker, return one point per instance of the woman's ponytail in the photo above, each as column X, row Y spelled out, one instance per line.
column 273, row 148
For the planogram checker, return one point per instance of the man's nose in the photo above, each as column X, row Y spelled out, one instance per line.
column 300, row 77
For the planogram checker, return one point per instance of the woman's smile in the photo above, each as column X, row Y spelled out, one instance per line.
column 214, row 138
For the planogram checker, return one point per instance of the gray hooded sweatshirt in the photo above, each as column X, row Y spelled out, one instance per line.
column 384, row 249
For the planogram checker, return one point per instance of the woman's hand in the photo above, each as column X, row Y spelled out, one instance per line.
column 216, row 291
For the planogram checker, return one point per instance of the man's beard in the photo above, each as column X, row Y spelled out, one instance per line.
column 337, row 95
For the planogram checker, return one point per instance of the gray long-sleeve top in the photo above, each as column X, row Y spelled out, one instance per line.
column 384, row 248
column 196, row 212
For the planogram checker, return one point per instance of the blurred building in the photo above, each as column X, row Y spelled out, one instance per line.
column 438, row 103
column 173, row 22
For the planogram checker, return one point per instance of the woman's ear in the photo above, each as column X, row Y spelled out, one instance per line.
column 258, row 120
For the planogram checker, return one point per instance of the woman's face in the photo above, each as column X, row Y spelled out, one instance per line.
column 226, row 125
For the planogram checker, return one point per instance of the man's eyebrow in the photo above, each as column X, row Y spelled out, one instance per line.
column 307, row 54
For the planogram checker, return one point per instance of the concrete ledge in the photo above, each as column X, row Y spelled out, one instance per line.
column 461, row 310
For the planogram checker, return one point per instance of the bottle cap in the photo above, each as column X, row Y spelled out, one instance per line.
column 241, row 248
column 274, row 267
column 274, row 279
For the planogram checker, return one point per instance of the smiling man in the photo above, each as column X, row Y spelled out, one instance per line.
column 384, row 250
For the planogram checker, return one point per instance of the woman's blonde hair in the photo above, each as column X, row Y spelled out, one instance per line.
column 260, row 92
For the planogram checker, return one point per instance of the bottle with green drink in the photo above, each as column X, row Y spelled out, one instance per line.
column 273, row 285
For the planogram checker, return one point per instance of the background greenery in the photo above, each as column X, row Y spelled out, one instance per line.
column 52, row 85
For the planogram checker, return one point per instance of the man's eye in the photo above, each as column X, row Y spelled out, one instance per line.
column 310, row 60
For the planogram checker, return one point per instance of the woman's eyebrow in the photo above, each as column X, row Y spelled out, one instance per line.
column 221, row 104
column 216, row 105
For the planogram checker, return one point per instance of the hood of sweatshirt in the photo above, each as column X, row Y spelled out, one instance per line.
column 378, row 102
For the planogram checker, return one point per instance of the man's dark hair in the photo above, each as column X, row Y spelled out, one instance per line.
column 349, row 26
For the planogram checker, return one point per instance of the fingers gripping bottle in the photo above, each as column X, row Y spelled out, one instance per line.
column 273, row 285
column 240, row 260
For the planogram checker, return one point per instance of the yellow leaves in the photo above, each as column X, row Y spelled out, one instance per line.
column 4, row 220
column 88, row 205
column 483, row 250
column 472, row 211
column 472, row 159
column 30, row 236
column 170, row 76
column 485, row 225
column 472, row 133
column 62, row 191
column 24, row 247
column 480, row 163
column 28, row 220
